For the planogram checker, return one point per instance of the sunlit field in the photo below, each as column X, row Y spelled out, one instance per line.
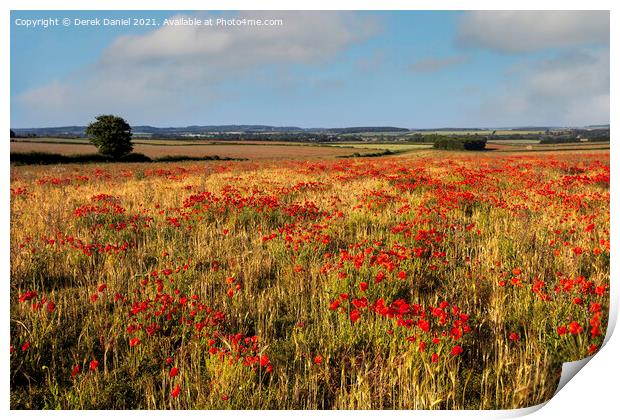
column 231, row 149
column 443, row 281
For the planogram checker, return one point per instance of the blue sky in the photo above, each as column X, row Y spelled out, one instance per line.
column 412, row 69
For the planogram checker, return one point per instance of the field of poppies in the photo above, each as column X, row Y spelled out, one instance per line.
column 434, row 281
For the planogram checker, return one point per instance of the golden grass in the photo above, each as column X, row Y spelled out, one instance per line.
column 271, row 246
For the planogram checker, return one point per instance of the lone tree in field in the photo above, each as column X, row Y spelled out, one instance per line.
column 111, row 135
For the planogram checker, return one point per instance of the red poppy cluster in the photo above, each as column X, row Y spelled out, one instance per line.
column 431, row 326
column 385, row 253
column 37, row 303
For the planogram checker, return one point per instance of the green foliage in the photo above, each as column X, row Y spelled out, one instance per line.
column 452, row 143
column 376, row 154
column 111, row 135
column 42, row 158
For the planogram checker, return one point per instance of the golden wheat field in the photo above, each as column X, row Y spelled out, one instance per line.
column 438, row 281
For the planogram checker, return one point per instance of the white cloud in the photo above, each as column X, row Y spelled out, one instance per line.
column 164, row 74
column 572, row 89
column 521, row 31
column 304, row 37
column 434, row 64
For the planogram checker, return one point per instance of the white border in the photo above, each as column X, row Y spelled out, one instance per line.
column 592, row 394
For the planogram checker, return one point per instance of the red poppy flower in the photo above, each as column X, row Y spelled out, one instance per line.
column 424, row 325
column 28, row 296
column 176, row 391
column 355, row 315
column 456, row 350
column 334, row 305
column 26, row 346
column 574, row 328
column 75, row 371
column 174, row 372
column 514, row 336
column 456, row 333
column 435, row 358
column 318, row 360
column 94, row 364
column 379, row 277
column 363, row 286
column 264, row 360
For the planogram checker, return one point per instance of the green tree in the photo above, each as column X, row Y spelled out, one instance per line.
column 111, row 135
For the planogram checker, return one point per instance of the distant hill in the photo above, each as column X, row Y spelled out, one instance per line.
column 198, row 129
column 451, row 129
column 357, row 130
column 195, row 130
column 259, row 130
column 72, row 131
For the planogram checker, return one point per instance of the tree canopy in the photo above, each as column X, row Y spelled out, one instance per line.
column 111, row 135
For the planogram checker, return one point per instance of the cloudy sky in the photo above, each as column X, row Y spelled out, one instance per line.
column 412, row 69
